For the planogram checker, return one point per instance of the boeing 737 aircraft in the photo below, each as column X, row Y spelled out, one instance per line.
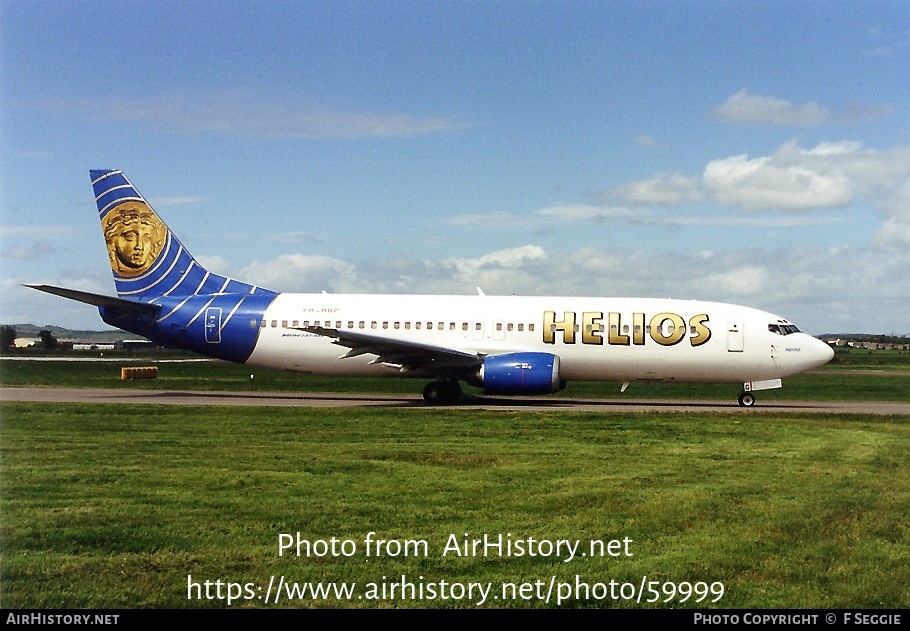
column 504, row 344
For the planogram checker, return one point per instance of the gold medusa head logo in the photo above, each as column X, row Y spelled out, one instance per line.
column 134, row 236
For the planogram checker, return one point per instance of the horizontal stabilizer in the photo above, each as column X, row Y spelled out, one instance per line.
column 98, row 300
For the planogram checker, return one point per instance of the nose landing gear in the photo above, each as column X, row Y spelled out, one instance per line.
column 746, row 399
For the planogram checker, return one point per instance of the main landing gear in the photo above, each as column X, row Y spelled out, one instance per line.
column 746, row 399
column 445, row 392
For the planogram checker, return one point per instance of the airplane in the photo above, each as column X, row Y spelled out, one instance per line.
column 507, row 345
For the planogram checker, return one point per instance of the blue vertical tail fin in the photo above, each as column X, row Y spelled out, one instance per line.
column 147, row 259
column 197, row 309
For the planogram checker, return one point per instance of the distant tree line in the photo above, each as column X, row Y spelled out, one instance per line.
column 865, row 337
column 8, row 338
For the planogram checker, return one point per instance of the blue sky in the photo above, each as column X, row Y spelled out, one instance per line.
column 755, row 153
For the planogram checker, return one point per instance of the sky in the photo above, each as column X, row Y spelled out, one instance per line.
column 748, row 152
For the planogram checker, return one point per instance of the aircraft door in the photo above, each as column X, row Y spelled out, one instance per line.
column 213, row 325
column 735, row 333
column 477, row 330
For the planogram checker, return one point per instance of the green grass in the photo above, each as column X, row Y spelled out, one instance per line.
column 866, row 359
column 113, row 506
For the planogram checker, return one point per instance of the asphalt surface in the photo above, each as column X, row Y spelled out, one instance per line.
column 326, row 399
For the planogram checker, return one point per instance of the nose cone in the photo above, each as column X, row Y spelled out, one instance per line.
column 819, row 353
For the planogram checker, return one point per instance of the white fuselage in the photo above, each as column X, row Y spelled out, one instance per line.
column 603, row 339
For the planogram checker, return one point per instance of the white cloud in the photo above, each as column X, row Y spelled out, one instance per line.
column 561, row 213
column 667, row 189
column 585, row 212
column 830, row 175
column 301, row 272
column 163, row 202
column 28, row 253
column 497, row 219
column 742, row 281
column 216, row 263
column 239, row 114
column 743, row 107
column 509, row 270
column 894, row 233
column 846, row 289
column 641, row 217
column 509, row 258
column 293, row 236
column 33, row 231
column 765, row 183
column 646, row 140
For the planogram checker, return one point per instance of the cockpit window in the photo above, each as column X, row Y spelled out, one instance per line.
column 783, row 329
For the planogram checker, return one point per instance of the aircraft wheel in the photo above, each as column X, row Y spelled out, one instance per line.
column 746, row 399
column 446, row 392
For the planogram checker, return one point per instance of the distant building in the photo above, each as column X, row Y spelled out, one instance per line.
column 94, row 346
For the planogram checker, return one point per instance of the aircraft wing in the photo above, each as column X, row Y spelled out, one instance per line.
column 411, row 355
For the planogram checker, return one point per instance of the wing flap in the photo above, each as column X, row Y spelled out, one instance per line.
column 412, row 355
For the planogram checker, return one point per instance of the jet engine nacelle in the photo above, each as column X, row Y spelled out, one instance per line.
column 519, row 373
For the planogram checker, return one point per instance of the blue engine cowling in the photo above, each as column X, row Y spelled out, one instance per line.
column 520, row 373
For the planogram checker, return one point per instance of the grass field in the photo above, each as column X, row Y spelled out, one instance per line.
column 115, row 506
